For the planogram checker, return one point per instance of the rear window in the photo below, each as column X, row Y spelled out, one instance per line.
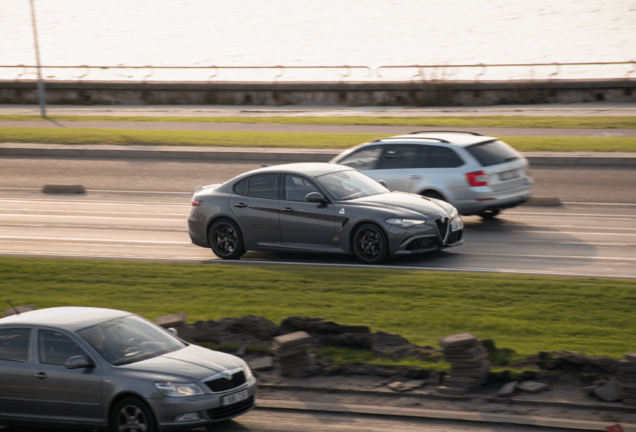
column 263, row 186
column 493, row 153
column 14, row 344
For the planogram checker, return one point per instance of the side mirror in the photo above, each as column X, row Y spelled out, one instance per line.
column 383, row 183
column 173, row 331
column 78, row 362
column 315, row 197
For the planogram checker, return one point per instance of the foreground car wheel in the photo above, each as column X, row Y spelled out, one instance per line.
column 370, row 244
column 226, row 240
column 132, row 415
column 489, row 214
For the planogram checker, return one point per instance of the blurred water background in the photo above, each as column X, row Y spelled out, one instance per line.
column 327, row 32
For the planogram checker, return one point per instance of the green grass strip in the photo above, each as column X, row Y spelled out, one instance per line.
column 463, row 121
column 524, row 313
column 276, row 139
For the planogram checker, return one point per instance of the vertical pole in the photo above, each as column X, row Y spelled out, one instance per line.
column 37, row 58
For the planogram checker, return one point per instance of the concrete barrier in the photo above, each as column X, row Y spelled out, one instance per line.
column 63, row 189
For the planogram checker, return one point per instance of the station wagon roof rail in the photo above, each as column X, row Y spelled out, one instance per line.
column 433, row 131
column 412, row 138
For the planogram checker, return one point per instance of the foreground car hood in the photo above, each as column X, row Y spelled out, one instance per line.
column 193, row 362
column 405, row 201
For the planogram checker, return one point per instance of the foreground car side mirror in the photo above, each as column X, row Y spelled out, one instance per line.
column 78, row 362
column 315, row 197
column 383, row 183
column 173, row 331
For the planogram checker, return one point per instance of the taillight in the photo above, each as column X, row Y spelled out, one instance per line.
column 196, row 203
column 477, row 178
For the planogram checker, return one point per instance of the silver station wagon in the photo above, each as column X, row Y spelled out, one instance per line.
column 476, row 174
column 108, row 369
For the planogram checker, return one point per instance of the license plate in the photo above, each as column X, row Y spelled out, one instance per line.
column 508, row 175
column 234, row 398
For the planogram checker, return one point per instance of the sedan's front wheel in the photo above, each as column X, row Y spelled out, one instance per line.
column 226, row 240
column 132, row 415
column 370, row 244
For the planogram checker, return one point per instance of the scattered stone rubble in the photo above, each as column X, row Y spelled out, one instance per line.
column 292, row 352
column 627, row 379
column 469, row 364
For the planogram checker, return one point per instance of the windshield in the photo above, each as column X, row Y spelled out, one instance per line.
column 345, row 185
column 493, row 153
column 130, row 339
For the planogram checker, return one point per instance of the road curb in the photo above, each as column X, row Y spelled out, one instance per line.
column 272, row 154
column 510, row 401
column 439, row 414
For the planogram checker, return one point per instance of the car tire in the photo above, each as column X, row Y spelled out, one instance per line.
column 370, row 244
column 226, row 240
column 132, row 415
column 434, row 195
column 489, row 214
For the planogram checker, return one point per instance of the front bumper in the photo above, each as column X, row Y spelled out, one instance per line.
column 207, row 406
column 422, row 238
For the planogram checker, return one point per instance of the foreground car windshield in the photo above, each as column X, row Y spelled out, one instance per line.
column 129, row 339
column 346, row 185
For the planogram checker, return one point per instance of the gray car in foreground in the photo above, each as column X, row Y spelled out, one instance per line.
column 318, row 207
column 108, row 369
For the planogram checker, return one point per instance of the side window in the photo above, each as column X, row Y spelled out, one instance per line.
column 364, row 159
column 55, row 348
column 14, row 344
column 241, row 187
column 297, row 188
column 442, row 157
column 398, row 156
column 263, row 186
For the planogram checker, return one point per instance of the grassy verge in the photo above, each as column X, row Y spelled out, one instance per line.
column 465, row 121
column 523, row 313
column 276, row 139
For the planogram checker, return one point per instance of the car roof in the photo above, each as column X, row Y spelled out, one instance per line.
column 68, row 318
column 456, row 138
column 310, row 169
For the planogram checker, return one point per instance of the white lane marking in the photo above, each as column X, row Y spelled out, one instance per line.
column 214, row 260
column 50, row 201
column 94, row 211
column 597, row 204
column 91, row 217
column 549, row 256
column 564, row 214
column 116, row 191
column 597, row 244
column 93, row 240
column 548, row 232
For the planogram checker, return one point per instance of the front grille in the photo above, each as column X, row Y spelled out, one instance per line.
column 222, row 384
column 442, row 226
column 233, row 410
column 455, row 237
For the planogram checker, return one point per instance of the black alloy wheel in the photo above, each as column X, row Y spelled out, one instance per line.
column 226, row 240
column 370, row 244
column 132, row 415
column 489, row 214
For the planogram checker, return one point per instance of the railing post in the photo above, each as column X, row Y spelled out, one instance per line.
column 37, row 58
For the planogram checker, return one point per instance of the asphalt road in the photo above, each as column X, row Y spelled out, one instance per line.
column 353, row 129
column 289, row 421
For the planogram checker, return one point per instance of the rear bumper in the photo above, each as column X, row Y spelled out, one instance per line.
column 494, row 200
column 196, row 234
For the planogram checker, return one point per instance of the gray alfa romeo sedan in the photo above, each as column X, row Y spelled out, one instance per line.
column 319, row 207
column 112, row 370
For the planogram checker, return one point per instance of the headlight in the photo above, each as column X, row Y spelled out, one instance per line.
column 248, row 372
column 454, row 214
column 456, row 224
column 178, row 389
column 404, row 223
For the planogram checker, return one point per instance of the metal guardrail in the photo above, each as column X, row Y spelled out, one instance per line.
column 215, row 70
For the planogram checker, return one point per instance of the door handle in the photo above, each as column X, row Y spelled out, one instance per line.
column 287, row 209
column 41, row 375
column 240, row 205
column 415, row 177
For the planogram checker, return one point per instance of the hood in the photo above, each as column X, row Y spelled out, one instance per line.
column 192, row 362
column 402, row 201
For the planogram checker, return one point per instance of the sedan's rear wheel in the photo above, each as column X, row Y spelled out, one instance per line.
column 226, row 240
column 132, row 415
column 370, row 244
column 489, row 214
